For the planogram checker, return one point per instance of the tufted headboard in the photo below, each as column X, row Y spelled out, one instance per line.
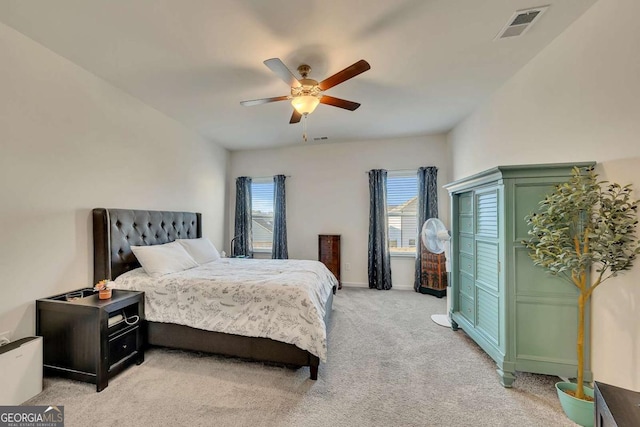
column 116, row 230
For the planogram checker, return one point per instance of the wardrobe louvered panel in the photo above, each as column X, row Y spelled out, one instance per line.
column 487, row 265
column 487, row 214
column 487, row 321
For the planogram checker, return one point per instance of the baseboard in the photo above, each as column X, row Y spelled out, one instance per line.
column 366, row 285
column 354, row 285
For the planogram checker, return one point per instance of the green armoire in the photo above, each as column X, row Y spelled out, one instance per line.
column 522, row 316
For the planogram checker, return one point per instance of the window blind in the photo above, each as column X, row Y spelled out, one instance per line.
column 402, row 200
column 262, row 214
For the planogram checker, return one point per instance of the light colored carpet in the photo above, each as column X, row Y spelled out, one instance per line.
column 389, row 365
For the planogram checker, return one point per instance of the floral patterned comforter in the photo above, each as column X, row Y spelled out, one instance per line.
column 279, row 299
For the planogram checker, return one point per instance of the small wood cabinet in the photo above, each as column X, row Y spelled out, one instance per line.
column 89, row 339
column 616, row 406
column 329, row 253
column 433, row 273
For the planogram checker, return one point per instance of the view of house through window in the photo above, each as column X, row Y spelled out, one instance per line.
column 262, row 213
column 402, row 201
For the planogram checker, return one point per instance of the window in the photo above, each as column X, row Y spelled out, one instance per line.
column 262, row 214
column 402, row 201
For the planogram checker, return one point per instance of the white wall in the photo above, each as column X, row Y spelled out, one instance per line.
column 71, row 142
column 577, row 100
column 328, row 192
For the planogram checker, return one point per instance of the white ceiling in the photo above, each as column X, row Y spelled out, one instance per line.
column 432, row 61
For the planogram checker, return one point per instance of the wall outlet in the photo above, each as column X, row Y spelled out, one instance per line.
column 347, row 266
column 5, row 336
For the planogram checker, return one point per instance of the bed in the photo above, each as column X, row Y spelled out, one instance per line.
column 116, row 230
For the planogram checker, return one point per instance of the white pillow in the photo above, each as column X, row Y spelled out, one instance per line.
column 158, row 260
column 201, row 250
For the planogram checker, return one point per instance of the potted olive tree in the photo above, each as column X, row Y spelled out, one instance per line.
column 585, row 226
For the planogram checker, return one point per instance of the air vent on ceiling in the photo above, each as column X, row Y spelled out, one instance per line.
column 520, row 22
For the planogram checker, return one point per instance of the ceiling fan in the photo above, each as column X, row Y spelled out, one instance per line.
column 307, row 93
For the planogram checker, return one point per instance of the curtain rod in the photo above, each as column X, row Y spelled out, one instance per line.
column 395, row 170
column 266, row 177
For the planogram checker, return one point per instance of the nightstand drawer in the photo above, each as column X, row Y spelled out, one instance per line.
column 467, row 286
column 465, row 222
column 122, row 346
column 466, row 203
column 466, row 244
column 467, row 308
column 466, row 264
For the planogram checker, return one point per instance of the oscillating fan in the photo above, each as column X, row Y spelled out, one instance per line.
column 435, row 238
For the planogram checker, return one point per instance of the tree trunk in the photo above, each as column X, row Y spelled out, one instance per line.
column 580, row 345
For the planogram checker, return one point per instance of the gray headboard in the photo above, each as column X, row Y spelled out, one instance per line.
column 116, row 230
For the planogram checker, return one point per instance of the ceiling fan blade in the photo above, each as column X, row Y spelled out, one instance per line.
column 263, row 101
column 341, row 76
column 295, row 117
column 281, row 70
column 340, row 103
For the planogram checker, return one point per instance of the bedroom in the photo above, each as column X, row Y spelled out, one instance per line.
column 72, row 141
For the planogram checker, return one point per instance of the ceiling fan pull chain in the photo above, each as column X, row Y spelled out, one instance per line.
column 304, row 126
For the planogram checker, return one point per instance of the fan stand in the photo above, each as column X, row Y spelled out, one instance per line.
column 441, row 319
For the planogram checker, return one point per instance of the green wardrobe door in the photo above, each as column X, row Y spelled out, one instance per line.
column 545, row 306
column 486, row 270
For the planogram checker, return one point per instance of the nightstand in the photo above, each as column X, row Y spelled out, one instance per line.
column 89, row 339
column 329, row 254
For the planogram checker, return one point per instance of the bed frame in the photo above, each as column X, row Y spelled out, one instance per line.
column 115, row 230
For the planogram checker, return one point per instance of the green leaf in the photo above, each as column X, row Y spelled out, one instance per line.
column 588, row 210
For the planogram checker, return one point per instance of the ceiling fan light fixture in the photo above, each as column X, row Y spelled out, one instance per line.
column 305, row 104
column 307, row 93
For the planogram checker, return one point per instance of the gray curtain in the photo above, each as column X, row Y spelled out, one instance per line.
column 279, row 247
column 427, row 208
column 379, row 258
column 242, row 239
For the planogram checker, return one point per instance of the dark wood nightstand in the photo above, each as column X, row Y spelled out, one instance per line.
column 329, row 253
column 89, row 339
